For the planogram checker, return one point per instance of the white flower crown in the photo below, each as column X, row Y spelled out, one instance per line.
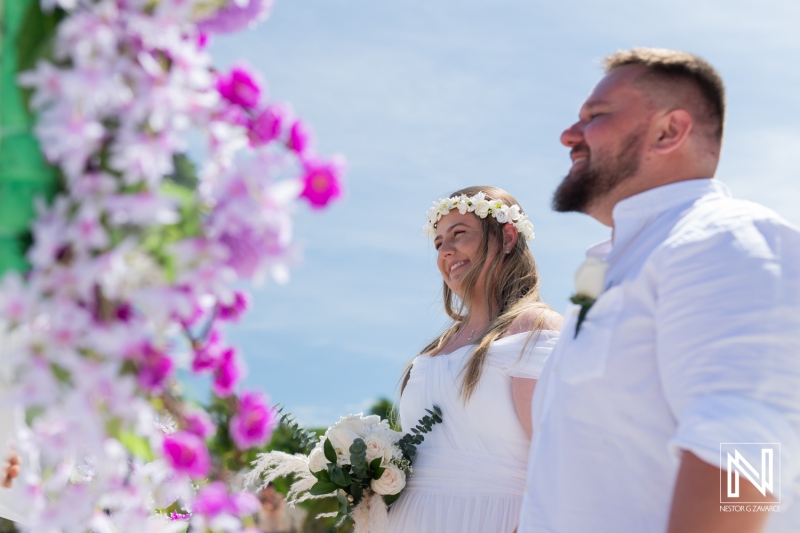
column 482, row 207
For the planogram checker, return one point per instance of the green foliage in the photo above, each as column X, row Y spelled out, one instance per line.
column 307, row 439
column 408, row 444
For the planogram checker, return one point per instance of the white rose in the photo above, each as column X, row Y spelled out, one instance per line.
column 501, row 214
column 590, row 279
column 317, row 460
column 378, row 446
column 341, row 437
column 462, row 205
column 392, row 481
column 482, row 208
column 526, row 228
column 514, row 212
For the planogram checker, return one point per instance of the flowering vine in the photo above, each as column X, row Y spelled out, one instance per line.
column 132, row 264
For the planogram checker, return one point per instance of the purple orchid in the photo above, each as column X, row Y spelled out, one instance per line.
column 254, row 421
column 187, row 453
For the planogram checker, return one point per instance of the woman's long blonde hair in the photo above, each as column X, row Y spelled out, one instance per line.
column 511, row 289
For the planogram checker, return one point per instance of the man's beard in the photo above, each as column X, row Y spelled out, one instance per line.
column 582, row 188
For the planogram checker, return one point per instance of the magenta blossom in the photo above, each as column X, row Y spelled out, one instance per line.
column 243, row 503
column 187, row 453
column 266, row 126
column 239, row 88
column 154, row 367
column 199, row 423
column 227, row 374
column 299, row 138
column 254, row 421
column 321, row 183
column 212, row 500
column 236, row 15
column 234, row 310
column 207, row 356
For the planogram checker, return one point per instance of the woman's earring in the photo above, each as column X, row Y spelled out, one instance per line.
column 508, row 250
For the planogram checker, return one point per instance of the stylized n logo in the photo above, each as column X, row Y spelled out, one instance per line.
column 763, row 480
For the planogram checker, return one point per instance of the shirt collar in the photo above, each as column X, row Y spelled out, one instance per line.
column 649, row 204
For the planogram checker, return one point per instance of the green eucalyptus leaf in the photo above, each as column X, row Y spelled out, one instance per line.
column 321, row 488
column 322, row 475
column 340, row 477
column 390, row 499
column 330, row 453
column 378, row 472
column 375, row 464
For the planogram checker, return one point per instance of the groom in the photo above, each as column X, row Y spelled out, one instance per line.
column 644, row 417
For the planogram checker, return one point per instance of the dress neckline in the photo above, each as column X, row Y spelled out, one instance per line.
column 501, row 339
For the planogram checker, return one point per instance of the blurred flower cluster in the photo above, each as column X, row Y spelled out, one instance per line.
column 133, row 264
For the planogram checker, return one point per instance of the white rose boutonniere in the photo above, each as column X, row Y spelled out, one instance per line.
column 590, row 280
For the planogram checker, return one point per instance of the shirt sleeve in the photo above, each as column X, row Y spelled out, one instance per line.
column 523, row 355
column 728, row 339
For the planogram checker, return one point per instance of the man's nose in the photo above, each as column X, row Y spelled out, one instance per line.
column 573, row 135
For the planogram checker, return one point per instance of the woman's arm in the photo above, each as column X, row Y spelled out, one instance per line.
column 522, row 392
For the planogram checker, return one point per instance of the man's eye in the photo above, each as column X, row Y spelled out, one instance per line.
column 437, row 245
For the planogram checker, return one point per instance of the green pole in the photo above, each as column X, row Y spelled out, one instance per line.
column 24, row 174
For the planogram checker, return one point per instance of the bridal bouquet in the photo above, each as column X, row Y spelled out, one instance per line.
column 360, row 461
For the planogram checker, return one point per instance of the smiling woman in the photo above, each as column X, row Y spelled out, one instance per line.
column 481, row 370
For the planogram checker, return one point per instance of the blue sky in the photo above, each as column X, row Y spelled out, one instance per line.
column 426, row 97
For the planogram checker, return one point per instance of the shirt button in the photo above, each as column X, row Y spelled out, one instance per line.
column 555, row 369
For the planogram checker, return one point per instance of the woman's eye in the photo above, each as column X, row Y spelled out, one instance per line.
column 457, row 233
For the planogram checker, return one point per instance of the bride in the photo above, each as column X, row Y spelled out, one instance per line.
column 469, row 473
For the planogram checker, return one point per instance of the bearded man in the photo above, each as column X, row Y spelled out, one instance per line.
column 646, row 413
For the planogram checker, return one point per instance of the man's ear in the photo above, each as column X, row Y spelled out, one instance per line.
column 510, row 236
column 672, row 130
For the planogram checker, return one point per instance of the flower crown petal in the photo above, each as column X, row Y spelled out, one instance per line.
column 482, row 207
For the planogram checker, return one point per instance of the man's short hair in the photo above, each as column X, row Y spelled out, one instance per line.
column 680, row 68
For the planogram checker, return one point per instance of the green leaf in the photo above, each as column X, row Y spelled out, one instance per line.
column 330, row 453
column 378, row 472
column 321, row 488
column 390, row 499
column 375, row 464
column 322, row 475
column 357, row 492
column 136, row 445
column 339, row 476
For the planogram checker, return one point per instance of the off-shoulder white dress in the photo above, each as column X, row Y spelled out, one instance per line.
column 469, row 473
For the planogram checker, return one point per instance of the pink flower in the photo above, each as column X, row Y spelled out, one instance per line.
column 207, row 356
column 233, row 311
column 252, row 425
column 239, row 88
column 243, row 503
column 227, row 373
column 267, row 125
column 154, row 369
column 321, row 183
column 198, row 423
column 299, row 138
column 187, row 453
column 236, row 15
column 212, row 500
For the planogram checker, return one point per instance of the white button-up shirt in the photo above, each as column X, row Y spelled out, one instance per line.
column 694, row 344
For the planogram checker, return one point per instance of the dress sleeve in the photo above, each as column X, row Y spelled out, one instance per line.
column 523, row 355
column 728, row 317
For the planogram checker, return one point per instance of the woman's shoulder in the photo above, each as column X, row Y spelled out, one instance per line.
column 541, row 318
